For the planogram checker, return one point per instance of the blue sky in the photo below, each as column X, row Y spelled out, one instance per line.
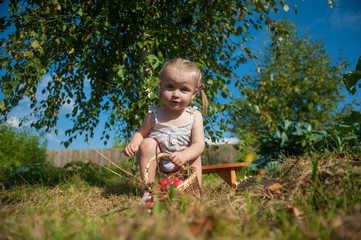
column 338, row 27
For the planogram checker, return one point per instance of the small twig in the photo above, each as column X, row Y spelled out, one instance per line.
column 294, row 164
column 142, row 182
column 301, row 179
column 230, row 203
column 297, row 160
column 23, row 179
column 132, row 175
column 101, row 166
column 121, row 169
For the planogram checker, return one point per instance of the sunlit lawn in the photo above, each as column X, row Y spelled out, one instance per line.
column 311, row 202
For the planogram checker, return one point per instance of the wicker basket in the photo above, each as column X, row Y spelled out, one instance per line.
column 190, row 183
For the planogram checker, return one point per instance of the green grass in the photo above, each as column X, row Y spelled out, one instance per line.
column 313, row 203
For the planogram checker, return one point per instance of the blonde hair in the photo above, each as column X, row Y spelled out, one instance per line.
column 193, row 70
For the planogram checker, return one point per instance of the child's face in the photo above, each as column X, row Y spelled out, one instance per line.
column 177, row 89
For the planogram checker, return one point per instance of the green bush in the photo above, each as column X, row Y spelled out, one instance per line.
column 20, row 147
column 290, row 138
column 346, row 135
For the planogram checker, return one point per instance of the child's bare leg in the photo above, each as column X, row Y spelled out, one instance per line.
column 198, row 165
column 147, row 150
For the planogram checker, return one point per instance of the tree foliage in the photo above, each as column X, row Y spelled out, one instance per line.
column 104, row 56
column 297, row 79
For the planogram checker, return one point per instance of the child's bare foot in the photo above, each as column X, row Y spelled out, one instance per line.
column 147, row 197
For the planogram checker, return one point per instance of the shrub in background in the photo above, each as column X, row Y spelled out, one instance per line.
column 290, row 138
column 346, row 135
column 19, row 147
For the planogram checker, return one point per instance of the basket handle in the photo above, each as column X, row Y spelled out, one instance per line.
column 160, row 155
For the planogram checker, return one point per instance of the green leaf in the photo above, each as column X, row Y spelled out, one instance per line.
column 4, row 62
column 2, row 106
column 18, row 7
column 35, row 44
column 286, row 8
column 358, row 66
column 7, row 92
column 172, row 193
column 354, row 117
column 158, row 207
column 201, row 64
column 236, row 147
column 219, row 134
column 37, row 64
column 121, row 73
column 351, row 78
column 15, row 84
column 153, row 60
column 66, row 144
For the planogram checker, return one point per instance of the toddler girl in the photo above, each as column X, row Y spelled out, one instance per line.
column 174, row 128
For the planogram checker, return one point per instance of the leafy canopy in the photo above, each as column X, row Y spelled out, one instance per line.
column 104, row 56
column 297, row 80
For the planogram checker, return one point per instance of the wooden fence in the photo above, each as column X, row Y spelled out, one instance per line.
column 212, row 155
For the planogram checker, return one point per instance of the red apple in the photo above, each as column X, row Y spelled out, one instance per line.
column 164, row 182
column 178, row 182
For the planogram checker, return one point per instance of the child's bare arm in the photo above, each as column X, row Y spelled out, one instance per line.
column 139, row 135
column 197, row 146
column 133, row 145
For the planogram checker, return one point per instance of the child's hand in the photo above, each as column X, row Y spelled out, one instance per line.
column 130, row 149
column 177, row 159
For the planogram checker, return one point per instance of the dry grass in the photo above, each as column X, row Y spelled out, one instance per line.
column 307, row 204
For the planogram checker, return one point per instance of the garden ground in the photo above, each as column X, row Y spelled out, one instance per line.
column 316, row 197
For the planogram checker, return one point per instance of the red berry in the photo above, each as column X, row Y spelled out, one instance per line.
column 163, row 181
column 178, row 182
